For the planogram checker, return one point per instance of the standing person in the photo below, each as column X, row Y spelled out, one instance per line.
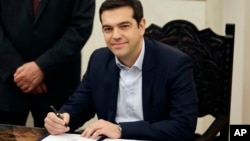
column 40, row 55
column 139, row 88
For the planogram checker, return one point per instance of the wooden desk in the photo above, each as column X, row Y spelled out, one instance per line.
column 20, row 133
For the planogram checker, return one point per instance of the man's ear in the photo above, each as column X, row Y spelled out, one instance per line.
column 142, row 25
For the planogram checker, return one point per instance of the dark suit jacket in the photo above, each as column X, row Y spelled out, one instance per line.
column 168, row 92
column 53, row 39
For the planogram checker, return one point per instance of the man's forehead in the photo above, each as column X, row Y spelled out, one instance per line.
column 125, row 11
column 118, row 20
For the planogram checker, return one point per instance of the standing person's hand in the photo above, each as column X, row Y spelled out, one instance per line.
column 40, row 89
column 28, row 77
column 56, row 125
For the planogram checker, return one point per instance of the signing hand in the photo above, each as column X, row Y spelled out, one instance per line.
column 102, row 127
column 28, row 77
column 56, row 125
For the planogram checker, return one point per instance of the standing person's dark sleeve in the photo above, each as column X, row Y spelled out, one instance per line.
column 10, row 58
column 72, row 40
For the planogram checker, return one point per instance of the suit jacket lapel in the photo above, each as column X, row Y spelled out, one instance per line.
column 29, row 7
column 42, row 5
column 111, row 88
column 147, row 78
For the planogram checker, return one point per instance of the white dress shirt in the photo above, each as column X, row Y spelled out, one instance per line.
column 129, row 101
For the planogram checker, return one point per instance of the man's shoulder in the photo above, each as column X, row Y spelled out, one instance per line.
column 102, row 53
column 162, row 49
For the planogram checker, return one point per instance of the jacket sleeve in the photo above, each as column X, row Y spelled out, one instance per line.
column 10, row 58
column 72, row 40
column 79, row 105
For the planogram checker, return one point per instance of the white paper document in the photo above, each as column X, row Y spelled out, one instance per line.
column 75, row 137
column 66, row 137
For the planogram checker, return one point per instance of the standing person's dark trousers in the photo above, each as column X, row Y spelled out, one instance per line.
column 51, row 40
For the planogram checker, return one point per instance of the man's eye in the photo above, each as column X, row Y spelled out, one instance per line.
column 107, row 29
column 125, row 26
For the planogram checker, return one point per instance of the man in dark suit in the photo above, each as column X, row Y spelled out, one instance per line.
column 40, row 55
column 139, row 88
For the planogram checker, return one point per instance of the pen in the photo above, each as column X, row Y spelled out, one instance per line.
column 102, row 138
column 57, row 114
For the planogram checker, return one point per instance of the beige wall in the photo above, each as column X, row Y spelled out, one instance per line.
column 246, row 72
column 214, row 14
column 237, row 12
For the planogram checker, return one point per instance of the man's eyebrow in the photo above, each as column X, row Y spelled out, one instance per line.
column 124, row 22
column 105, row 26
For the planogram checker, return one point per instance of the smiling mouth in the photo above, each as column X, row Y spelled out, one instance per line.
column 118, row 45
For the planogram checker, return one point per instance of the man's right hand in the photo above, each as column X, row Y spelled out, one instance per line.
column 56, row 125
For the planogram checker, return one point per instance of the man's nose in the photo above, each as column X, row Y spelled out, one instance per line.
column 117, row 34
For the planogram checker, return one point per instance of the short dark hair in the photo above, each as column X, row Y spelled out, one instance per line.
column 134, row 4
